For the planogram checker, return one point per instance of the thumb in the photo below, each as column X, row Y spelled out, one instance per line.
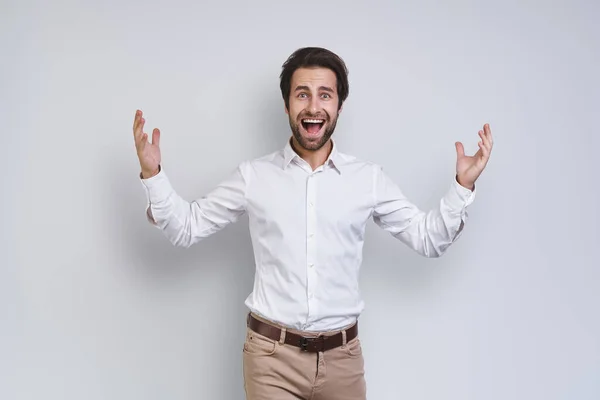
column 460, row 150
column 156, row 137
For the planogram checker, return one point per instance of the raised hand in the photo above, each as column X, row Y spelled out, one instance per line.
column 468, row 168
column 148, row 153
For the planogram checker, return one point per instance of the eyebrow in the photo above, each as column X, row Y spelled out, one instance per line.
column 324, row 88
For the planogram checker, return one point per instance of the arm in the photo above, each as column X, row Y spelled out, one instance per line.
column 428, row 233
column 431, row 233
column 185, row 223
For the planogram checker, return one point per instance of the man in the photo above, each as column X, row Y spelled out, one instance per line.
column 308, row 205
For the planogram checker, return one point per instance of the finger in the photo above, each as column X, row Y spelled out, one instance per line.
column 486, row 140
column 139, row 134
column 488, row 134
column 139, row 130
column 136, row 118
column 460, row 150
column 156, row 137
column 137, row 124
column 141, row 144
column 485, row 153
column 483, row 137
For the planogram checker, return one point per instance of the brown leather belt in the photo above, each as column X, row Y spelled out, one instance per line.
column 308, row 344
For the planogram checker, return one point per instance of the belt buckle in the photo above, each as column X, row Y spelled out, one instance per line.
column 304, row 341
column 303, row 344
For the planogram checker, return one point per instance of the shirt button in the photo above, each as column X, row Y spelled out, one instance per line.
column 310, row 204
column 310, row 295
column 310, row 236
column 311, row 265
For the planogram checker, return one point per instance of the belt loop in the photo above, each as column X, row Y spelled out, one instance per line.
column 344, row 339
column 282, row 335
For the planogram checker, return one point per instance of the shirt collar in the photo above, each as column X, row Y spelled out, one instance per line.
column 334, row 158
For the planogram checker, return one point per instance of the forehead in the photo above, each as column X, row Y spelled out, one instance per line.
column 314, row 77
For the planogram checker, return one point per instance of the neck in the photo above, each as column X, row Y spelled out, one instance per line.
column 314, row 158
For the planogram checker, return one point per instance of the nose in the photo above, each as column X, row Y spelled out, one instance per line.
column 313, row 106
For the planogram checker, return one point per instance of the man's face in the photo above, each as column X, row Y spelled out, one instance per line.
column 313, row 106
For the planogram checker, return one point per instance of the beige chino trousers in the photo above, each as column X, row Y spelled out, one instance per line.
column 274, row 370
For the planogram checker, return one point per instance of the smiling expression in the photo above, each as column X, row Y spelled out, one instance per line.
column 313, row 106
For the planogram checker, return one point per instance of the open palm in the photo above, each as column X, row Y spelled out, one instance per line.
column 468, row 168
column 148, row 153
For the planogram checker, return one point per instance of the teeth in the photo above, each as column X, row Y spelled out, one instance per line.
column 313, row 121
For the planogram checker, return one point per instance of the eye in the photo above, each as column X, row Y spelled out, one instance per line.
column 302, row 95
column 326, row 96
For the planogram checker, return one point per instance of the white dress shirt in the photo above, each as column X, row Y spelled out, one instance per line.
column 307, row 229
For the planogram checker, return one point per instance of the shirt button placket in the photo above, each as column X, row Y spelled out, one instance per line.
column 311, row 249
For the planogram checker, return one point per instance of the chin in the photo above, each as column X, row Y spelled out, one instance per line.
column 312, row 141
column 312, row 138
column 315, row 140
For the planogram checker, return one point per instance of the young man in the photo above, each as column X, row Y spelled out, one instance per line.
column 308, row 205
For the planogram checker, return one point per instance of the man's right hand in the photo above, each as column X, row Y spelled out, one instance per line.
column 148, row 153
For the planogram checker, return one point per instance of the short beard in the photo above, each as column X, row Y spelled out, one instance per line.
column 308, row 145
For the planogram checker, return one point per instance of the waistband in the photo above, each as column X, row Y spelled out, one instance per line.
column 306, row 342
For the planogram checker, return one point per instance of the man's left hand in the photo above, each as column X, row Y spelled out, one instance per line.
column 468, row 168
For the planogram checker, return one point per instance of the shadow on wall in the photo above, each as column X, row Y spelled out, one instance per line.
column 209, row 280
column 148, row 251
column 150, row 254
column 145, row 251
column 146, row 256
column 272, row 129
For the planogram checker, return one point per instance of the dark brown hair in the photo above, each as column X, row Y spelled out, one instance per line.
column 314, row 57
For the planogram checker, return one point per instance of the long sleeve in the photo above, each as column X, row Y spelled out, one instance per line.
column 185, row 223
column 428, row 233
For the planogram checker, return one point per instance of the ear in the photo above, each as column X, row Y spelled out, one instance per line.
column 340, row 110
column 286, row 109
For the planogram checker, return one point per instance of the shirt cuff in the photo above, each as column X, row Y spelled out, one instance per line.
column 158, row 187
column 459, row 197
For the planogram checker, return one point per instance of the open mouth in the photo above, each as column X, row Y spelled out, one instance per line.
column 313, row 126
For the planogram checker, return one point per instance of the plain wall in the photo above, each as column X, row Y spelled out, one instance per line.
column 96, row 304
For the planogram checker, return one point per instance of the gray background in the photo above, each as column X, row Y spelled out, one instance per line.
column 96, row 304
